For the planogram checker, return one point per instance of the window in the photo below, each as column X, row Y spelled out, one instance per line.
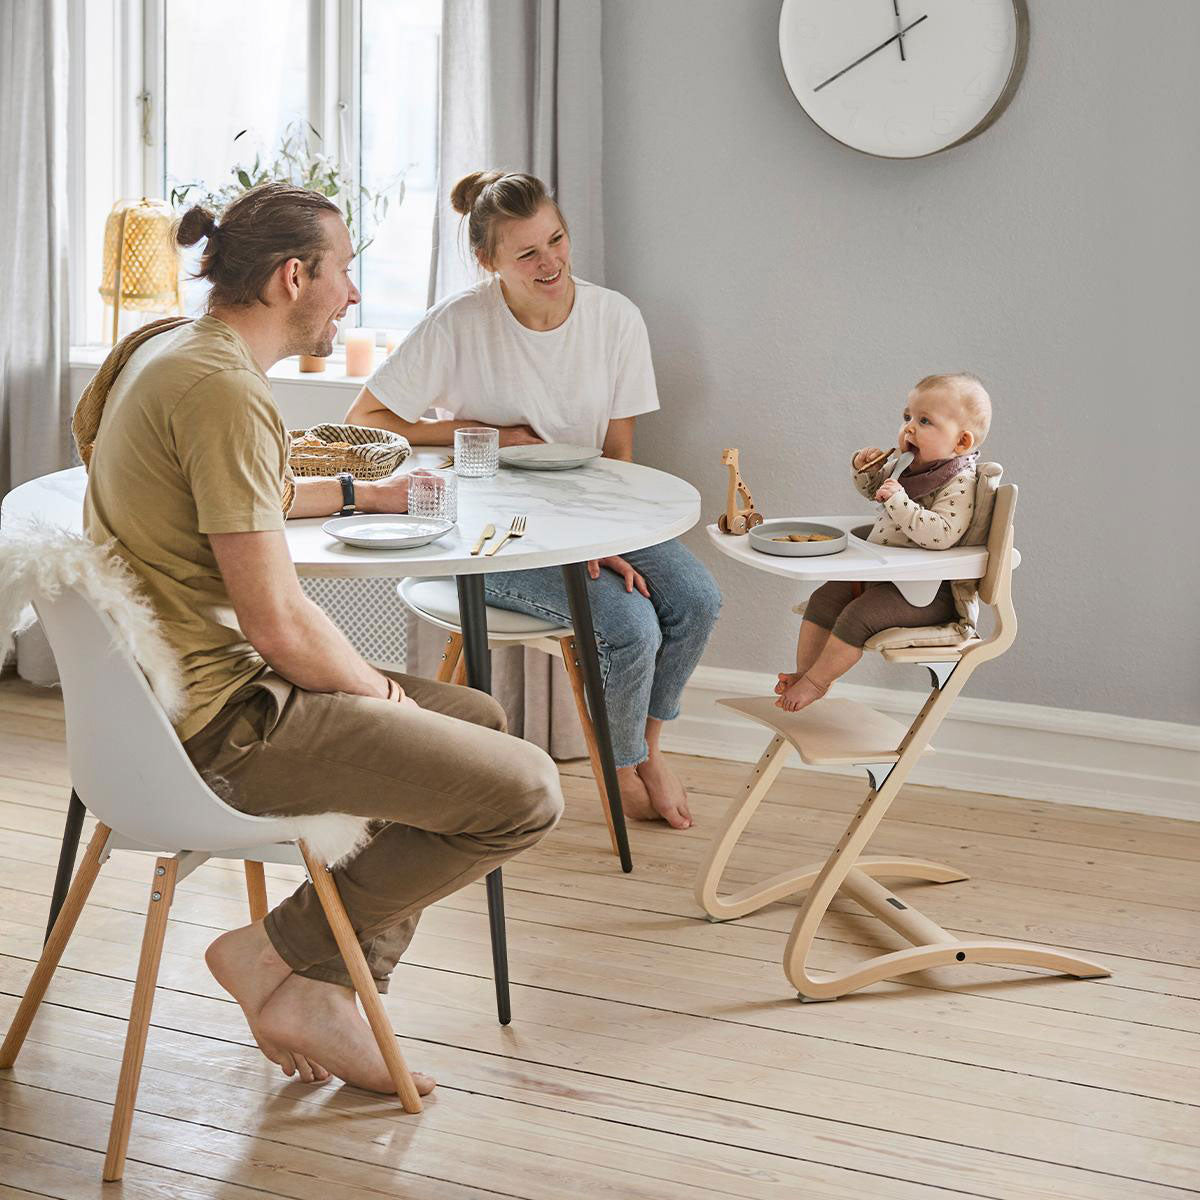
column 362, row 74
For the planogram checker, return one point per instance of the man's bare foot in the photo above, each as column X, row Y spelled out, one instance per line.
column 248, row 967
column 667, row 794
column 322, row 1022
column 801, row 694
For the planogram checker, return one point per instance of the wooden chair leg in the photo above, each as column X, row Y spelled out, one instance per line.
column 52, row 951
column 451, row 658
column 256, row 889
column 162, row 892
column 566, row 646
column 364, row 985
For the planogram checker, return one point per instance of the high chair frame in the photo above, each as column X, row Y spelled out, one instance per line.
column 840, row 732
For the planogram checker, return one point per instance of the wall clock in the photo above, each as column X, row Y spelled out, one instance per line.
column 903, row 78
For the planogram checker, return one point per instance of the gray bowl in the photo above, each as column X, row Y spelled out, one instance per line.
column 761, row 539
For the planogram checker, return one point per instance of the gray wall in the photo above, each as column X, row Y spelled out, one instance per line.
column 794, row 290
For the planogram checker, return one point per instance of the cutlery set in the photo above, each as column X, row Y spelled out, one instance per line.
column 515, row 530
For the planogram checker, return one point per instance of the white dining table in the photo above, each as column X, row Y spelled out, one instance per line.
column 604, row 508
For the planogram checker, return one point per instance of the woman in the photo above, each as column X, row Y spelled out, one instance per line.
column 546, row 357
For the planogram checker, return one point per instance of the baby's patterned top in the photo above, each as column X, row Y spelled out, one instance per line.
column 935, row 522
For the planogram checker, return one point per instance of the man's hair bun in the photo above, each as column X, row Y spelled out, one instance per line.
column 198, row 222
column 467, row 190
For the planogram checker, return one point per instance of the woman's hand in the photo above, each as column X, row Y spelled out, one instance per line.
column 519, row 435
column 617, row 564
column 888, row 489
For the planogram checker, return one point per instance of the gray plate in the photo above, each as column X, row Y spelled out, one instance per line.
column 549, row 456
column 381, row 531
column 761, row 539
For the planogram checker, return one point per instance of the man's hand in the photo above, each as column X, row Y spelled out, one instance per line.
column 866, row 455
column 519, row 435
column 888, row 489
column 631, row 577
column 388, row 495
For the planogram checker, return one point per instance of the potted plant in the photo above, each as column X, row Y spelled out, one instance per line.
column 299, row 161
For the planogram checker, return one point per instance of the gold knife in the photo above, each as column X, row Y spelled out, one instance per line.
column 489, row 532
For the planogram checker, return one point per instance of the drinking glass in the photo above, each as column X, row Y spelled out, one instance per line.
column 476, row 452
column 433, row 494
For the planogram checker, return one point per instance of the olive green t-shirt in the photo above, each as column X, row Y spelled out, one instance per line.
column 190, row 443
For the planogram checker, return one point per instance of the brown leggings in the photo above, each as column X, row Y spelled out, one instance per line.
column 853, row 619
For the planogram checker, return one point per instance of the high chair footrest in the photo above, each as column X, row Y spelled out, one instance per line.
column 828, row 732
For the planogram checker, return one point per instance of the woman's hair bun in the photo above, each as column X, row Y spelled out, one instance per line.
column 198, row 222
column 466, row 191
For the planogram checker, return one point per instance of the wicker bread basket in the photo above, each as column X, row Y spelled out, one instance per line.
column 365, row 453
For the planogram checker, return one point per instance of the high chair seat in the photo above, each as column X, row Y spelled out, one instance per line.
column 924, row 654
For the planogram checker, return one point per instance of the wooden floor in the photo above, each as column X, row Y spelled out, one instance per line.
column 652, row 1055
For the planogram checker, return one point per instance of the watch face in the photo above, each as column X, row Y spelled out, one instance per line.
column 902, row 78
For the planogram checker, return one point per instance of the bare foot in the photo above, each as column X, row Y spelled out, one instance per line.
column 322, row 1022
column 248, row 967
column 635, row 799
column 667, row 794
column 800, row 694
column 786, row 679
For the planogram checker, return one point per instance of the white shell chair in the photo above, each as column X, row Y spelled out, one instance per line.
column 126, row 759
column 436, row 602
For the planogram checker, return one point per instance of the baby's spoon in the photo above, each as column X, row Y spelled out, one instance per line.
column 901, row 464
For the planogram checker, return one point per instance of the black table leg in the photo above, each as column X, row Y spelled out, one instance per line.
column 66, row 858
column 472, row 615
column 575, row 576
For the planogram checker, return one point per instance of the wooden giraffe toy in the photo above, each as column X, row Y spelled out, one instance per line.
column 735, row 520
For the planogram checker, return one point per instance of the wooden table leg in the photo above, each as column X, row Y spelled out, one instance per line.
column 575, row 577
column 472, row 617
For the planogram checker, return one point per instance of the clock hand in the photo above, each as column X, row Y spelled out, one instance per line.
column 900, row 34
column 894, row 37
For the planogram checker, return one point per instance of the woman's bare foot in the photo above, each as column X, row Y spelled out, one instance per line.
column 322, row 1022
column 635, row 799
column 248, row 967
column 801, row 694
column 668, row 797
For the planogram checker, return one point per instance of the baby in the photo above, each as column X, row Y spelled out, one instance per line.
column 929, row 505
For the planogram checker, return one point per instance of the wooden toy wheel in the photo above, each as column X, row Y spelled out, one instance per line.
column 755, row 518
column 723, row 523
column 738, row 524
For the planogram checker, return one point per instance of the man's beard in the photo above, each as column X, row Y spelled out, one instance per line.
column 308, row 335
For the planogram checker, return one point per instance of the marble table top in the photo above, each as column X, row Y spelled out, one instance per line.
column 605, row 508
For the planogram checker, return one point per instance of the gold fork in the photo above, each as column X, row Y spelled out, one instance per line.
column 515, row 530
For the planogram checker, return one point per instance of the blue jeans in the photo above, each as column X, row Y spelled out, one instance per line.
column 648, row 648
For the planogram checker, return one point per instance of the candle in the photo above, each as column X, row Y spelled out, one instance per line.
column 360, row 351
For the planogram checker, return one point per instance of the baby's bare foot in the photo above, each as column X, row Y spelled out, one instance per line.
column 800, row 694
column 247, row 966
column 668, row 796
column 786, row 679
column 322, row 1022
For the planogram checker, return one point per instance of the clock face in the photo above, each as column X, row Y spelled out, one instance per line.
column 903, row 78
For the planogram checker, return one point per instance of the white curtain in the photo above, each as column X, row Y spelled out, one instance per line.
column 521, row 91
column 34, row 401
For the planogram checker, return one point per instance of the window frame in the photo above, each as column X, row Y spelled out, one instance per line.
column 131, row 159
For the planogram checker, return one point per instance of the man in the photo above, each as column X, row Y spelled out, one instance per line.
column 189, row 474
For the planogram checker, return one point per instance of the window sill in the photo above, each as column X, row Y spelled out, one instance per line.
column 286, row 370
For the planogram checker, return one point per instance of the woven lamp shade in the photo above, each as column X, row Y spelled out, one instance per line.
column 141, row 262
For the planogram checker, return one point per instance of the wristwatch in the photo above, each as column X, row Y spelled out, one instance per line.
column 347, row 482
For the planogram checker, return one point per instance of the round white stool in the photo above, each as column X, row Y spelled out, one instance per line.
column 436, row 601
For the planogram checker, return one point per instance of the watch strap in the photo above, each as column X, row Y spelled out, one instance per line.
column 347, row 482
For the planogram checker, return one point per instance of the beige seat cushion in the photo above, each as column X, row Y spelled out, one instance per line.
column 987, row 480
column 438, row 599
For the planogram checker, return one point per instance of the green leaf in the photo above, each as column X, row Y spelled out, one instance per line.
column 244, row 179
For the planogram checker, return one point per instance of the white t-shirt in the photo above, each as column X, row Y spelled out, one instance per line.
column 472, row 357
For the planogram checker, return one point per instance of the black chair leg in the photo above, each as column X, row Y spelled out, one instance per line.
column 66, row 858
column 472, row 614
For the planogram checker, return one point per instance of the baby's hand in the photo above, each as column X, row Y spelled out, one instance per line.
column 888, row 489
column 865, row 455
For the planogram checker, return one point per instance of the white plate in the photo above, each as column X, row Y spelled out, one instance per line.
column 762, row 538
column 548, row 456
column 381, row 531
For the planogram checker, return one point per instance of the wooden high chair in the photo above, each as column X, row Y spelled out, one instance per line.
column 835, row 732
